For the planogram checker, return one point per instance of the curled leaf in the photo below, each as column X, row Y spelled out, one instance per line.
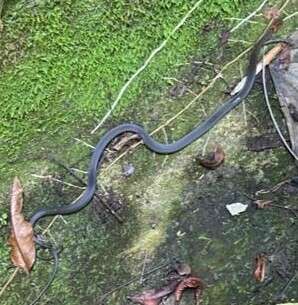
column 215, row 159
column 189, row 282
column 153, row 296
column 21, row 237
column 260, row 268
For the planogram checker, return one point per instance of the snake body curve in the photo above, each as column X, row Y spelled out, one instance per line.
column 157, row 147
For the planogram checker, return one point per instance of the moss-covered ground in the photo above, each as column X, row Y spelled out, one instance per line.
column 62, row 65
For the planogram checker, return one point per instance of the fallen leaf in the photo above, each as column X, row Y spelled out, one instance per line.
column 260, row 268
column 261, row 204
column 236, row 208
column 153, row 296
column 21, row 237
column 192, row 282
column 215, row 159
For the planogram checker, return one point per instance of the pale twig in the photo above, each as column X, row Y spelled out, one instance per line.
column 205, row 146
column 248, row 17
column 165, row 135
column 51, row 178
column 144, row 267
column 63, row 219
column 244, row 102
column 9, row 281
column 239, row 41
column 146, row 63
column 240, row 19
column 85, row 143
column 78, row 170
column 290, row 16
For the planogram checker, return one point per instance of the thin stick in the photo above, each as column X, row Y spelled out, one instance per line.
column 144, row 267
column 49, row 177
column 248, row 17
column 146, row 63
column 9, row 281
column 78, row 170
column 290, row 16
column 235, row 18
column 85, row 143
column 205, row 146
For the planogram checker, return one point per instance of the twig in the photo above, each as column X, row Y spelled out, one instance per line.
column 134, row 279
column 205, row 146
column 240, row 19
column 78, row 170
column 239, row 41
column 49, row 177
column 249, row 16
column 146, row 63
column 290, row 16
column 143, row 268
column 85, row 143
column 165, row 135
column 9, row 281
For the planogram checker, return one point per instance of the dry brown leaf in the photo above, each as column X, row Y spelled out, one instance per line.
column 215, row 159
column 261, row 204
column 21, row 237
column 189, row 282
column 260, row 268
column 153, row 296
